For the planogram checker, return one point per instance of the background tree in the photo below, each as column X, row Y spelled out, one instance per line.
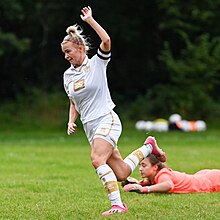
column 164, row 57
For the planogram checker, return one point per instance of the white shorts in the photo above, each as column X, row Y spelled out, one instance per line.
column 107, row 127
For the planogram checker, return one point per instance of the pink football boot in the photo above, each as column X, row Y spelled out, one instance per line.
column 155, row 149
column 115, row 209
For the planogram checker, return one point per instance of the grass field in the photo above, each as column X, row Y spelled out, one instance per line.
column 48, row 175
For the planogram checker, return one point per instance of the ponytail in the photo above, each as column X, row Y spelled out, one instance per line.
column 74, row 35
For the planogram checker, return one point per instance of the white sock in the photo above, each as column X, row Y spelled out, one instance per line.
column 137, row 156
column 110, row 183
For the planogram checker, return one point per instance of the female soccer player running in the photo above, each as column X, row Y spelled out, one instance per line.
column 85, row 83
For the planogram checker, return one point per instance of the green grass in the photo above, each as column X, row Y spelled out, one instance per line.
column 48, row 175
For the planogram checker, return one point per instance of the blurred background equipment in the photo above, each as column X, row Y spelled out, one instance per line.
column 175, row 122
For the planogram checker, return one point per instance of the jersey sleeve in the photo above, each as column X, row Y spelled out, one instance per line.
column 66, row 81
column 104, row 55
column 165, row 175
column 65, row 85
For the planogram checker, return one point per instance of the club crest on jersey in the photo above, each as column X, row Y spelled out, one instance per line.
column 80, row 84
column 87, row 69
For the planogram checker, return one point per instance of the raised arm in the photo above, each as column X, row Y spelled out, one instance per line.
column 87, row 17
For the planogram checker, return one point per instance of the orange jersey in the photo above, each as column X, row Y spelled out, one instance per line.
column 202, row 181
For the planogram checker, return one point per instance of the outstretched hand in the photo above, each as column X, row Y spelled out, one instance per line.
column 86, row 13
column 129, row 180
column 133, row 188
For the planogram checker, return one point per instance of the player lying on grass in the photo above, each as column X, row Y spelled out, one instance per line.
column 159, row 178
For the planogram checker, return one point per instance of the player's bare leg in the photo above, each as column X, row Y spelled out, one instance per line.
column 112, row 168
column 101, row 152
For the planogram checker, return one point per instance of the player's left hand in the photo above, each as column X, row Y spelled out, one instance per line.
column 133, row 188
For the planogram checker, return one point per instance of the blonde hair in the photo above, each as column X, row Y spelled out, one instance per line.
column 74, row 35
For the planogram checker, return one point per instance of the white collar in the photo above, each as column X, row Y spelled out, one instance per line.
column 85, row 61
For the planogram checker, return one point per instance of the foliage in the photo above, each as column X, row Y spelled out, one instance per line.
column 194, row 75
column 158, row 47
column 7, row 39
column 189, row 61
column 37, row 109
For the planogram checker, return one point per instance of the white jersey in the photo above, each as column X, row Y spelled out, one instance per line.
column 87, row 87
